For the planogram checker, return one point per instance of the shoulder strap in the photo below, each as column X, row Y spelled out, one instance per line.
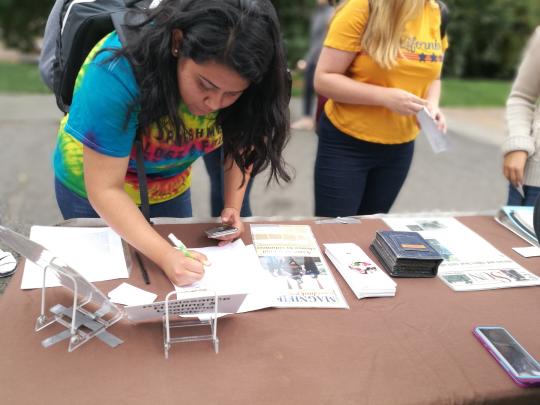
column 141, row 177
column 445, row 17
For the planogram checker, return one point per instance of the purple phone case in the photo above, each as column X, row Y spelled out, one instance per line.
column 522, row 382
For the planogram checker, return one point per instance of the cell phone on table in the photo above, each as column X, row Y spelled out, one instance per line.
column 514, row 359
column 219, row 231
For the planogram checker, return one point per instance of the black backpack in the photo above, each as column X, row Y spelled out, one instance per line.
column 73, row 29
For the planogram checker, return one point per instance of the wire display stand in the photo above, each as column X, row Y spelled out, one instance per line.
column 174, row 307
column 190, row 309
column 81, row 321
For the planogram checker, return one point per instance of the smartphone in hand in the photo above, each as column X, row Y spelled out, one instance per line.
column 514, row 359
column 219, row 231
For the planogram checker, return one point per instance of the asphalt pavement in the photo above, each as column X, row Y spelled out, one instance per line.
column 467, row 178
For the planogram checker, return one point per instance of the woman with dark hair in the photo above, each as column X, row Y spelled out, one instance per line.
column 194, row 75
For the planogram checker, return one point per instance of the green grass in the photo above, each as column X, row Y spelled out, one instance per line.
column 21, row 78
column 24, row 78
column 474, row 93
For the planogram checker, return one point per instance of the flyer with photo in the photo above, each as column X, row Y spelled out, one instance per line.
column 300, row 277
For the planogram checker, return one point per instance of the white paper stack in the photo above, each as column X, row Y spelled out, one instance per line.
column 364, row 277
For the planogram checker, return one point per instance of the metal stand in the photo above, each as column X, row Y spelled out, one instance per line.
column 81, row 324
column 172, row 308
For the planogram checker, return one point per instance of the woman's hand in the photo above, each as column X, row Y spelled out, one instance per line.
column 514, row 166
column 402, row 102
column 438, row 116
column 231, row 216
column 181, row 269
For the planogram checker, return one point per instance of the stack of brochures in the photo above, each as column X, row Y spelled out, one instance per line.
column 359, row 271
column 519, row 220
column 405, row 254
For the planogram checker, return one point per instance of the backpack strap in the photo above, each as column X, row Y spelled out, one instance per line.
column 121, row 20
column 445, row 17
column 141, row 177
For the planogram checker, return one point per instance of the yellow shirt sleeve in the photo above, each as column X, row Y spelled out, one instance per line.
column 347, row 26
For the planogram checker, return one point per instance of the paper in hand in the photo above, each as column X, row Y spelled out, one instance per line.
column 436, row 138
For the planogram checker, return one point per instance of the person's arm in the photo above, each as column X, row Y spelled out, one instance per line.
column 520, row 109
column 234, row 192
column 104, row 178
column 433, row 97
column 332, row 82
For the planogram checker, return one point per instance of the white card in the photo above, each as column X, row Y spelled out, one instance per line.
column 529, row 251
column 435, row 137
column 127, row 294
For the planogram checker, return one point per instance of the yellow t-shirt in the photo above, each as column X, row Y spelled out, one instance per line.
column 418, row 66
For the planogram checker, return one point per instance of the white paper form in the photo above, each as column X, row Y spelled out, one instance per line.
column 96, row 253
column 234, row 269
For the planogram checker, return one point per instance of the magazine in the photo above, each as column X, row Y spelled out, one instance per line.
column 470, row 262
column 299, row 276
column 519, row 220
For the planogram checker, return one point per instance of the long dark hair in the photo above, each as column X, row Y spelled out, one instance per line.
column 243, row 35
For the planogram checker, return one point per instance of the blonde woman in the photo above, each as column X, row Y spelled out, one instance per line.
column 380, row 64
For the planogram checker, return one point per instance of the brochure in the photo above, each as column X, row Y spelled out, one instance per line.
column 299, row 276
column 364, row 277
column 470, row 262
column 519, row 220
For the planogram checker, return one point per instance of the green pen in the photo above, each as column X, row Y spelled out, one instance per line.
column 180, row 246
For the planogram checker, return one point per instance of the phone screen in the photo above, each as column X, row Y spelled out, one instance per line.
column 521, row 361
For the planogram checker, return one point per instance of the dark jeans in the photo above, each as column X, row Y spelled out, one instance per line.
column 214, row 166
column 354, row 177
column 74, row 206
column 531, row 194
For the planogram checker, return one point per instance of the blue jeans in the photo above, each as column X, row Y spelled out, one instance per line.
column 531, row 194
column 354, row 177
column 74, row 206
column 213, row 162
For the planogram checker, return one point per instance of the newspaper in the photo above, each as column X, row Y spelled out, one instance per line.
column 300, row 277
column 470, row 262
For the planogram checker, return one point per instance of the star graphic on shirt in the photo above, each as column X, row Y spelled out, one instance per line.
column 422, row 57
column 433, row 57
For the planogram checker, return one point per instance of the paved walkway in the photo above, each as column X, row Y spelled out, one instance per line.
column 468, row 177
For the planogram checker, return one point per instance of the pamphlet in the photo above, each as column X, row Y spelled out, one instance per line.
column 470, row 262
column 364, row 277
column 436, row 138
column 298, row 274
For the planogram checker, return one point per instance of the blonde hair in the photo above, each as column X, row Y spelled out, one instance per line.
column 386, row 22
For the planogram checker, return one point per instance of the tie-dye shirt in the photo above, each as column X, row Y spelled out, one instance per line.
column 104, row 91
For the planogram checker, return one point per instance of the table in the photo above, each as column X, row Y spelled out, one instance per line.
column 414, row 348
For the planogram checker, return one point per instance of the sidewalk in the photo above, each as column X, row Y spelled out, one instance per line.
column 480, row 124
column 466, row 178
